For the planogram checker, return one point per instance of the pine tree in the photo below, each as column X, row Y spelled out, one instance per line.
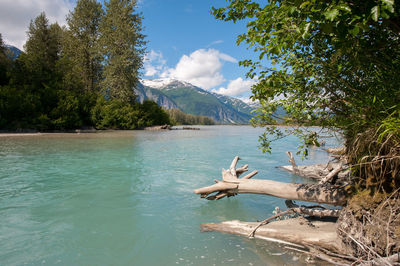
column 81, row 44
column 42, row 51
column 123, row 47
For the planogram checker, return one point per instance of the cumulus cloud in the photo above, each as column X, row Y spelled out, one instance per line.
column 201, row 68
column 15, row 16
column 237, row 87
column 154, row 64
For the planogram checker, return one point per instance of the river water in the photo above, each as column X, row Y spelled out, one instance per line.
column 126, row 198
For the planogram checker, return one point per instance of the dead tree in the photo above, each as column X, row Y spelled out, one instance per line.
column 231, row 185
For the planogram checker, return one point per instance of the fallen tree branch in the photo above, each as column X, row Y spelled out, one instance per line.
column 293, row 163
column 231, row 185
column 268, row 220
column 294, row 208
column 311, row 211
column 332, row 174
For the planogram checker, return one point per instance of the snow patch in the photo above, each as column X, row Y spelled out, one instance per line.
column 163, row 83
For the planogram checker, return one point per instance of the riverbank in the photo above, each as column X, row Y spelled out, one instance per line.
column 19, row 134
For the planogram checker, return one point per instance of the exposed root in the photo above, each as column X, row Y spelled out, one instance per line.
column 370, row 226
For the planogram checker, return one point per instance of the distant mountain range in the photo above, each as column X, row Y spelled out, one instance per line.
column 14, row 52
column 171, row 93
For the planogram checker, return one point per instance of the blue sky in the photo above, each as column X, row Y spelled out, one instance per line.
column 184, row 40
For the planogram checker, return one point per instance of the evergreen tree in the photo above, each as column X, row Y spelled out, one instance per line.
column 81, row 44
column 34, row 79
column 42, row 51
column 122, row 43
column 4, row 63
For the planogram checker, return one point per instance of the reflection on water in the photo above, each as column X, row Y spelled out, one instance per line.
column 126, row 198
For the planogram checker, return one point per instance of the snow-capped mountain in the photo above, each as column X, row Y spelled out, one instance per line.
column 171, row 93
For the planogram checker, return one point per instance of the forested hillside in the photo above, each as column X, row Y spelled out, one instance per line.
column 81, row 75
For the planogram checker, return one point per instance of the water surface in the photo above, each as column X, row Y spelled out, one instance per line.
column 126, row 198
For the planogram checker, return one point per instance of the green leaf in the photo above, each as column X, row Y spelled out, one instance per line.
column 327, row 28
column 304, row 4
column 388, row 2
column 375, row 13
column 354, row 31
column 331, row 14
column 344, row 7
column 306, row 29
column 388, row 5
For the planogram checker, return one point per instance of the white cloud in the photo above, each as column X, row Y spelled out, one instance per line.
column 154, row 64
column 215, row 43
column 249, row 101
column 237, row 87
column 15, row 16
column 201, row 68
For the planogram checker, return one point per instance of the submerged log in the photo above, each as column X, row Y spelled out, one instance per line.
column 232, row 185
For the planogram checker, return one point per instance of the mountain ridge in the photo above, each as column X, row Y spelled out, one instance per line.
column 172, row 93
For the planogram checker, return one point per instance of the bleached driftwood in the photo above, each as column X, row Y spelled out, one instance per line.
column 296, row 231
column 232, row 185
column 335, row 171
column 323, row 172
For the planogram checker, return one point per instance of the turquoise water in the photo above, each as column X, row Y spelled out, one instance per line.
column 126, row 198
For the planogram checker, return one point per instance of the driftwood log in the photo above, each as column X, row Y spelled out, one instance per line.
column 231, row 185
column 294, row 232
column 323, row 172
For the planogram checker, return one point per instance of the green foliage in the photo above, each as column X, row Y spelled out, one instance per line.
column 337, row 62
column 122, row 44
column 152, row 114
column 17, row 108
column 37, row 66
column 113, row 114
column 390, row 127
column 5, row 63
column 55, row 84
column 66, row 114
column 82, row 54
column 180, row 118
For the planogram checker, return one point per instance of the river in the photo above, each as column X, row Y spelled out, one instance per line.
column 126, row 197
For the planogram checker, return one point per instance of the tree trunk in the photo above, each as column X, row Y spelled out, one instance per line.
column 232, row 185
